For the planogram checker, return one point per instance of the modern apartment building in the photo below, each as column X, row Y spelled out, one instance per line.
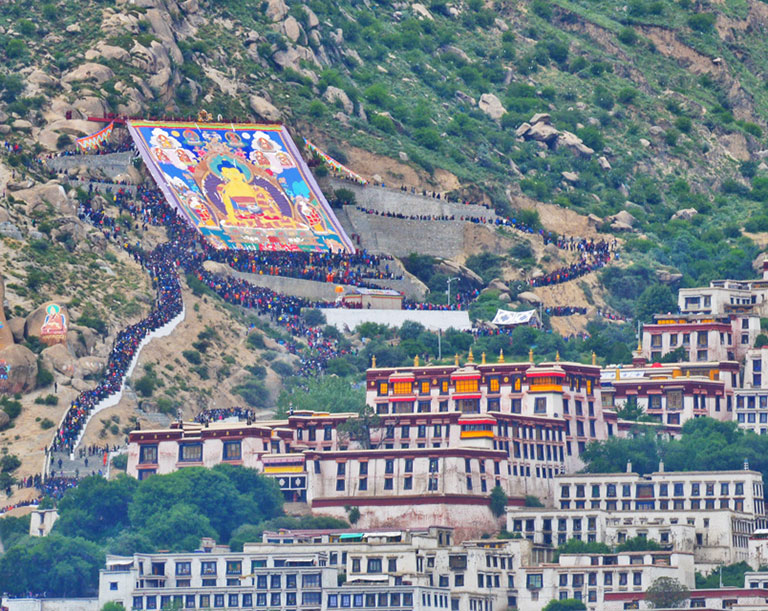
column 321, row 570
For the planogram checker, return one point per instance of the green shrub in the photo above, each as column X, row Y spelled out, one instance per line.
column 316, row 109
column 626, row 95
column 47, row 400
column 193, row 356
column 44, row 377
column 46, row 423
column 120, row 462
column 701, row 22
column 382, row 122
column 628, row 36
column 684, row 124
column 255, row 341
column 671, row 136
column 542, row 8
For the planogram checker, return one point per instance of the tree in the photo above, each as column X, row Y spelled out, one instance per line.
column 577, row 546
column 499, row 500
column 639, row 544
column 353, row 514
column 731, row 574
column 630, row 410
column 568, row 604
column 612, row 455
column 324, row 394
column 113, row 606
column 359, row 429
column 655, row 299
column 61, row 566
column 666, row 593
column 96, row 509
column 533, row 501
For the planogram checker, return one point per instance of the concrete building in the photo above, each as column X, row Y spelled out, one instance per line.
column 592, row 578
column 703, row 337
column 726, row 297
column 709, row 514
column 672, row 394
column 320, row 570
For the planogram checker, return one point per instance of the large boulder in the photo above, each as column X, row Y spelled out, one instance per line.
column 6, row 335
column 59, row 358
column 529, row 297
column 573, row 142
column 16, row 324
column 685, row 214
column 276, row 9
column 623, row 217
column 491, row 105
column 334, row 94
column 47, row 323
column 90, row 365
column 38, row 197
column 81, row 341
column 90, row 71
column 542, row 132
column 264, row 109
column 291, row 28
column 19, row 369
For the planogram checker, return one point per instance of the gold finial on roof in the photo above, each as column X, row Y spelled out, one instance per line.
column 594, row 358
column 456, row 359
column 530, row 355
column 639, row 344
column 470, row 357
column 373, row 362
column 501, row 356
column 482, row 358
column 416, row 361
column 557, row 356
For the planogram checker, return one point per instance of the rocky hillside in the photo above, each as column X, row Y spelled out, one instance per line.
column 654, row 110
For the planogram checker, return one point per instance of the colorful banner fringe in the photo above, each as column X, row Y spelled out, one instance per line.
column 94, row 141
column 334, row 165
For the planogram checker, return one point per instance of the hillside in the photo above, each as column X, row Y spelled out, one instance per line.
column 668, row 96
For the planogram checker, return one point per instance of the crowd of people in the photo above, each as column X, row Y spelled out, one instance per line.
column 108, row 148
column 168, row 304
column 565, row 311
column 585, row 265
column 425, row 217
column 222, row 413
column 336, row 268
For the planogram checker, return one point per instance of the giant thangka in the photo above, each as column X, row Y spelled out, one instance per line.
column 242, row 186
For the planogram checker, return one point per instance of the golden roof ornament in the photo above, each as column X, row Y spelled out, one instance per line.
column 470, row 357
column 501, row 356
column 373, row 361
column 482, row 358
column 416, row 361
column 456, row 359
column 530, row 355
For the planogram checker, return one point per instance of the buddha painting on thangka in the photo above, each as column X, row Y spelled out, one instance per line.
column 242, row 186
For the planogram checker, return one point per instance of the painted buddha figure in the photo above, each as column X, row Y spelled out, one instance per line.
column 240, row 192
